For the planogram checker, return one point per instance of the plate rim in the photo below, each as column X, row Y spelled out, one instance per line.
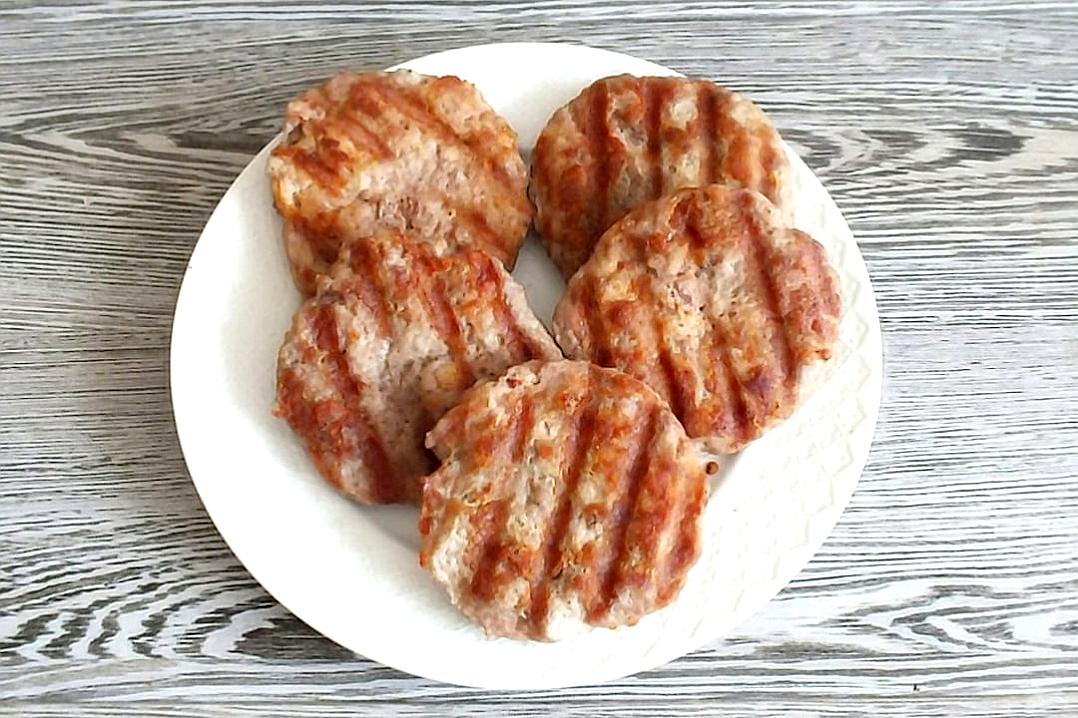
column 313, row 621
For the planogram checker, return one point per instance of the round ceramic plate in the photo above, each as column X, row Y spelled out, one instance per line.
column 351, row 572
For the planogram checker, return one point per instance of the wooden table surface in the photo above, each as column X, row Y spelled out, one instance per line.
column 947, row 133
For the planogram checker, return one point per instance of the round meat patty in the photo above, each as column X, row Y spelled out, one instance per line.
column 625, row 140
column 392, row 339
column 568, row 496
column 399, row 151
column 712, row 300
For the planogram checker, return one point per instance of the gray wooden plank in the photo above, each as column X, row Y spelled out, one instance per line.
column 948, row 134
column 914, row 705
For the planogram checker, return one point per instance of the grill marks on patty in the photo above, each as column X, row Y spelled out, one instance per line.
column 397, row 151
column 709, row 298
column 481, row 164
column 393, row 338
column 492, row 279
column 354, row 421
column 443, row 319
column 626, row 140
column 567, row 493
column 553, row 552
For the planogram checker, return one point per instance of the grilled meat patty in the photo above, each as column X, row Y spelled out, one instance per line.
column 712, row 300
column 625, row 140
column 398, row 151
column 390, row 342
column 568, row 496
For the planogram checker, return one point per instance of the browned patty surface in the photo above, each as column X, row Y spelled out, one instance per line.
column 399, row 151
column 625, row 140
column 392, row 339
column 568, row 496
column 712, row 300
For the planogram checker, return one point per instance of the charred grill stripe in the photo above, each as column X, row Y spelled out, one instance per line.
column 597, row 135
column 369, row 286
column 418, row 110
column 661, row 486
column 529, row 562
column 522, row 432
column 621, row 516
column 497, row 555
column 727, row 131
column 676, row 394
column 490, row 277
column 360, row 98
column 651, row 342
column 384, row 484
column 439, row 511
column 735, row 392
column 363, row 136
column 430, row 284
column 720, row 342
column 681, row 399
column 488, row 525
column 760, row 259
column 768, row 162
column 686, row 546
column 666, row 379
column 600, row 352
column 654, row 99
column 577, row 452
column 303, row 417
column 706, row 107
column 316, row 165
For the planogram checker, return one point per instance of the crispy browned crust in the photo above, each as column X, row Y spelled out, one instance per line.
column 400, row 151
column 625, row 140
column 709, row 298
column 393, row 338
column 567, row 492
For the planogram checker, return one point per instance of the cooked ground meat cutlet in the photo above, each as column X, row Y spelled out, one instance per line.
column 390, row 342
column 713, row 301
column 568, row 496
column 626, row 140
column 399, row 151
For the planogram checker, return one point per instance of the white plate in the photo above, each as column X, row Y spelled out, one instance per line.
column 351, row 572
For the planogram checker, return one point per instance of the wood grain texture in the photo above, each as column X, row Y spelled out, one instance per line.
column 948, row 135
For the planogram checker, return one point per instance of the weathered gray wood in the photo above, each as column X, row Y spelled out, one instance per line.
column 947, row 133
